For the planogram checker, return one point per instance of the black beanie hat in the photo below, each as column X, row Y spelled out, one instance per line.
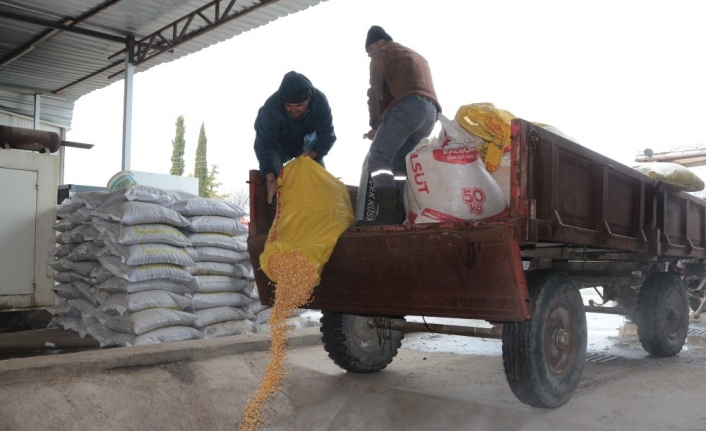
column 300, row 96
column 374, row 34
column 295, row 88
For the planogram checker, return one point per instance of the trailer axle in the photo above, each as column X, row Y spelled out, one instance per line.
column 609, row 310
column 408, row 327
column 467, row 331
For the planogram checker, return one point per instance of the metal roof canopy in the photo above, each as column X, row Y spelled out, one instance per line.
column 57, row 51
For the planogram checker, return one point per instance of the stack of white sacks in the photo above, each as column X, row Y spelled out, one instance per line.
column 221, row 268
column 142, row 265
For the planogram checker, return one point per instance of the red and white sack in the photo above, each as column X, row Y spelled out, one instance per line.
column 450, row 183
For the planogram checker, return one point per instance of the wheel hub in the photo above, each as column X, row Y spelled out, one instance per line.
column 559, row 345
column 672, row 314
column 365, row 335
column 561, row 339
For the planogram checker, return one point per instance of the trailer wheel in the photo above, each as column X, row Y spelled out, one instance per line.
column 694, row 302
column 662, row 314
column 356, row 347
column 544, row 357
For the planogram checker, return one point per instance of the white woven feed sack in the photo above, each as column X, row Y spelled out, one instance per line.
column 225, row 329
column 77, row 235
column 216, row 224
column 217, row 283
column 142, row 193
column 211, row 316
column 208, row 207
column 143, row 321
column 170, row 334
column 450, row 183
column 141, row 233
column 218, row 240
column 216, row 254
column 120, row 285
column 219, row 299
column 80, row 290
column 147, row 254
column 133, row 212
column 73, row 219
column 121, row 303
column 73, row 307
column 61, row 251
column 140, row 273
column 67, row 323
column 68, row 207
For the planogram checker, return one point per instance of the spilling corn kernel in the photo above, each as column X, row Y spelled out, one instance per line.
column 296, row 278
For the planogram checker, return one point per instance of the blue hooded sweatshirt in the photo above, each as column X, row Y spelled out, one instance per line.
column 277, row 132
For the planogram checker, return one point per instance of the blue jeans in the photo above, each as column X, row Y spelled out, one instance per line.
column 401, row 129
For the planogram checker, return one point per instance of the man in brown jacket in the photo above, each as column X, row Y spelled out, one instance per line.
column 403, row 109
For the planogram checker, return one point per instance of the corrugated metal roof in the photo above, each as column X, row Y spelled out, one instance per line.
column 56, row 63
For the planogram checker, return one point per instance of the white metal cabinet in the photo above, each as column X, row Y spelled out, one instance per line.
column 28, row 189
column 18, row 194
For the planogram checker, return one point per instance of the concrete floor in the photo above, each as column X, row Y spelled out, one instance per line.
column 435, row 383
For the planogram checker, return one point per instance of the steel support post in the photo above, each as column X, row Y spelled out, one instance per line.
column 37, row 110
column 127, row 102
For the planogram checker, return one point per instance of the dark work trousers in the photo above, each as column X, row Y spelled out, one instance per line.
column 401, row 129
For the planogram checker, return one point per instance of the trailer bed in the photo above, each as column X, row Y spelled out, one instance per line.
column 568, row 204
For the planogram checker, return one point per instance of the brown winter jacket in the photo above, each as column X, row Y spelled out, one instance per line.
column 395, row 73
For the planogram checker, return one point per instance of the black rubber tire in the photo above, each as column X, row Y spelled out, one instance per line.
column 627, row 299
column 355, row 346
column 694, row 303
column 544, row 357
column 662, row 314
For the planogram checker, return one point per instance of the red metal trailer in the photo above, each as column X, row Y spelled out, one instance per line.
column 577, row 220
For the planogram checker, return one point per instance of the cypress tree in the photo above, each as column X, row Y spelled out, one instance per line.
column 178, row 152
column 201, row 164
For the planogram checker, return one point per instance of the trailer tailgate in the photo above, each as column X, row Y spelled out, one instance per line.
column 442, row 271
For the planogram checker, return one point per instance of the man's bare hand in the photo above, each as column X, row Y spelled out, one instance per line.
column 311, row 154
column 371, row 134
column 271, row 186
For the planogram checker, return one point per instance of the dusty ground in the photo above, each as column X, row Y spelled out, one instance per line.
column 435, row 383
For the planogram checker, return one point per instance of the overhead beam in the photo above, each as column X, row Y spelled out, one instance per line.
column 178, row 32
column 173, row 35
column 30, row 90
column 23, row 50
column 69, row 28
column 87, row 77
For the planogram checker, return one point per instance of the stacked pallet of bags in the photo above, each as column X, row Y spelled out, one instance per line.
column 145, row 250
column 77, row 272
column 222, row 274
column 124, row 267
column 146, row 298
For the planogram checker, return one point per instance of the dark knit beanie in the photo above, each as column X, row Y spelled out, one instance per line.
column 374, row 34
column 295, row 88
column 300, row 96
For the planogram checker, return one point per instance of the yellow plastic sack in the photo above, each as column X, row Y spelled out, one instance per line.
column 673, row 174
column 554, row 130
column 313, row 210
column 490, row 124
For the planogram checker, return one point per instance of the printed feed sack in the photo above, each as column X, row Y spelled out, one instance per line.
column 450, row 183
